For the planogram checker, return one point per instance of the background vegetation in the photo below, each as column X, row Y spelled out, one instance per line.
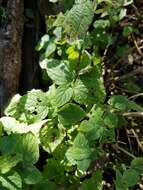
column 83, row 129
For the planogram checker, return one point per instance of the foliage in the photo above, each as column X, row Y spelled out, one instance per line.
column 73, row 121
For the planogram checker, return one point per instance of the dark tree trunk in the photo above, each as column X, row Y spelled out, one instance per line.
column 10, row 50
column 29, row 72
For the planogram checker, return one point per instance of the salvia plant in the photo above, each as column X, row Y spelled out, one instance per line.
column 59, row 139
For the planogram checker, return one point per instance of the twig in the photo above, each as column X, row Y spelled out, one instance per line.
column 137, row 47
column 136, row 96
column 137, row 139
column 136, row 10
column 115, row 146
column 139, row 70
column 133, row 114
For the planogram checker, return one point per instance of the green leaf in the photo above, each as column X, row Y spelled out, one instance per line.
column 101, row 24
column 94, row 127
column 101, row 38
column 11, row 181
column 68, row 114
column 108, row 136
column 58, row 33
column 85, row 60
column 111, row 120
column 131, row 177
column 62, row 95
column 50, row 49
column 58, row 71
column 7, row 162
column 8, row 144
column 120, row 184
column 83, row 165
column 89, row 88
column 94, row 183
column 29, row 148
column 11, row 125
column 79, row 18
column 26, row 145
column 30, row 174
column 51, row 136
column 53, row 170
column 80, row 141
column 79, row 154
column 123, row 104
column 123, row 13
column 30, row 108
column 137, row 164
column 42, row 42
column 93, row 130
column 127, row 31
column 11, row 109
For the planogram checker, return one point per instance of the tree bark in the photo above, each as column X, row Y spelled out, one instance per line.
column 10, row 51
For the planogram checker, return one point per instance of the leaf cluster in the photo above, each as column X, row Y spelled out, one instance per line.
column 73, row 121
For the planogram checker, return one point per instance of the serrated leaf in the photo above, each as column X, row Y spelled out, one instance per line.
column 80, row 141
column 94, row 127
column 89, row 88
column 62, row 95
column 30, row 108
column 79, row 18
column 93, row 131
column 79, row 154
column 11, row 181
column 71, row 114
column 58, row 71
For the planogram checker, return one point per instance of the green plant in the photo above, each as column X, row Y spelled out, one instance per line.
column 73, row 121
